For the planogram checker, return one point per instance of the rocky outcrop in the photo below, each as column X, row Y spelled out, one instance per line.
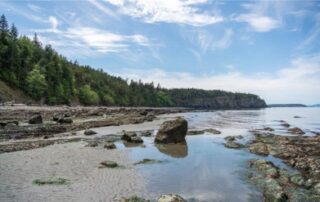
column 259, row 148
column 171, row 198
column 172, row 131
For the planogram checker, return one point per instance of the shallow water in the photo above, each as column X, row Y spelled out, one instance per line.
column 204, row 170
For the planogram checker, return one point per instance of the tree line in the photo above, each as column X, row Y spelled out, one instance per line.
column 47, row 76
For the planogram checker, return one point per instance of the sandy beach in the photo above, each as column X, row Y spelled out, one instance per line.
column 74, row 162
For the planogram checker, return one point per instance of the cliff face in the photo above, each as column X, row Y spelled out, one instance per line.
column 215, row 99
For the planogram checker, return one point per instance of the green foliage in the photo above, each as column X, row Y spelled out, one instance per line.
column 42, row 73
column 87, row 96
column 36, row 83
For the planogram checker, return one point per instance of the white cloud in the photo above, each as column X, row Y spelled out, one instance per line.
column 169, row 11
column 258, row 22
column 54, row 22
column 298, row 83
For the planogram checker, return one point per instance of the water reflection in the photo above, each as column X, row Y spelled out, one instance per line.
column 174, row 150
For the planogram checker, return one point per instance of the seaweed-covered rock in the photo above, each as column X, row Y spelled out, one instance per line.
column 108, row 164
column 147, row 161
column 171, row 198
column 259, row 148
column 50, row 181
column 297, row 180
column 296, row 131
column 172, row 131
column 233, row 145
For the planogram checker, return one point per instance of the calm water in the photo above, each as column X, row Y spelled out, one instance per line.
column 203, row 170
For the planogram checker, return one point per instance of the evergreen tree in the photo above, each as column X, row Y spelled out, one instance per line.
column 14, row 31
column 3, row 24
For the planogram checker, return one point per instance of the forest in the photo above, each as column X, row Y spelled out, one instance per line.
column 50, row 78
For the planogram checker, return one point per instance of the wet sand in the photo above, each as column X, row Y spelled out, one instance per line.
column 74, row 162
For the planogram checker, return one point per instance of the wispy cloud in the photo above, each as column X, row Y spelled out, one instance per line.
column 258, row 22
column 169, row 11
column 34, row 8
column 296, row 83
column 97, row 40
column 102, row 8
column 208, row 41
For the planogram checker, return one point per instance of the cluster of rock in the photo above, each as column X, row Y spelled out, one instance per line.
column 162, row 198
column 301, row 153
column 61, row 119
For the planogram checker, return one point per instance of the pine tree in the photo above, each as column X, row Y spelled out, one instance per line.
column 14, row 31
column 3, row 24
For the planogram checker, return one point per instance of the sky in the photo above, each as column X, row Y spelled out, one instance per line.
column 269, row 48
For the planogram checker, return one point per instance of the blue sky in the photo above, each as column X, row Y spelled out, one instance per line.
column 271, row 48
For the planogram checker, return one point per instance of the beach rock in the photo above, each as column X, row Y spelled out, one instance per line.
column 200, row 132
column 89, row 132
column 171, row 198
column 213, row 131
column 36, row 119
column 92, row 144
column 109, row 145
column 233, row 145
column 267, row 168
column 259, row 148
column 286, row 125
column 65, row 120
column 146, row 133
column 316, row 188
column 131, row 137
column 172, row 131
column 296, row 131
column 268, row 129
column 297, row 180
column 108, row 164
column 230, row 138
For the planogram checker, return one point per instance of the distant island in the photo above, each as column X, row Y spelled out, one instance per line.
column 31, row 73
column 287, row 105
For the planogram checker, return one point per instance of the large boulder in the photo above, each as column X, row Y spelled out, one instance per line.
column 172, row 131
column 36, row 119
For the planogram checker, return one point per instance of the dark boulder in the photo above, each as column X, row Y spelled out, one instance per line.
column 36, row 119
column 89, row 132
column 172, row 131
column 131, row 137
